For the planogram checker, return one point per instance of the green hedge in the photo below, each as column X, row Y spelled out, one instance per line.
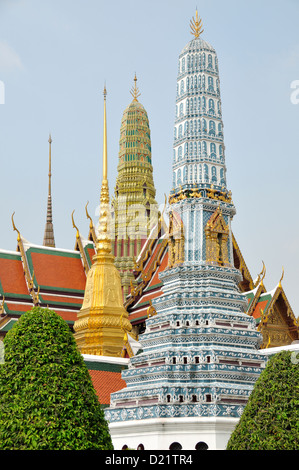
column 47, row 400
column 270, row 420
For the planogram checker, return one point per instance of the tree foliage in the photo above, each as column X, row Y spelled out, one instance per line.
column 270, row 420
column 47, row 400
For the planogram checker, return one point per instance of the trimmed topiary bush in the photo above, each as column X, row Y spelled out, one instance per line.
column 270, row 420
column 47, row 400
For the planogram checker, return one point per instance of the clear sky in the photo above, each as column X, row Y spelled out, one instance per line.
column 56, row 55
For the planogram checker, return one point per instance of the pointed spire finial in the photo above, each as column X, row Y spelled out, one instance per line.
column 103, row 243
column 14, row 227
column 103, row 297
column 135, row 91
column 281, row 278
column 49, row 231
column 263, row 274
column 50, row 174
column 105, row 163
column 196, row 26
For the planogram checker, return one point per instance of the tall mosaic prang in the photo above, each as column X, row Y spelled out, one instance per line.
column 134, row 205
column 200, row 358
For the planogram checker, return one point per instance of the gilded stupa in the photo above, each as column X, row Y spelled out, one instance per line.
column 102, row 323
column 134, row 205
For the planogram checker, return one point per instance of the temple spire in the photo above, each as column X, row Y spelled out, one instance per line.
column 105, row 163
column 49, row 230
column 135, row 158
column 103, row 243
column 196, row 26
column 102, row 323
column 135, row 91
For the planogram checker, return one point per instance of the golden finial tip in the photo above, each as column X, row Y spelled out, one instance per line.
column 279, row 284
column 50, row 138
column 105, row 91
column 196, row 25
column 134, row 91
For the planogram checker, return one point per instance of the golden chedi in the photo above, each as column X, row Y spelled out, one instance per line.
column 102, row 322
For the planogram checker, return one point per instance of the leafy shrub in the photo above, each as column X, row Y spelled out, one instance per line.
column 47, row 400
column 270, row 420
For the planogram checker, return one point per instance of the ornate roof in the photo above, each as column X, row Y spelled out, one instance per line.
column 267, row 307
column 39, row 275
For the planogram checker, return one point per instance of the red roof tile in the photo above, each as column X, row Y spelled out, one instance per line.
column 17, row 306
column 62, row 272
column 58, row 298
column 261, row 305
column 12, row 277
column 106, row 383
column 66, row 315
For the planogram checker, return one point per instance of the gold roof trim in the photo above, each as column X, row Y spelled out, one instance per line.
column 29, row 278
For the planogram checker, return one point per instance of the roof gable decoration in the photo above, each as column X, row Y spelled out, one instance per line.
column 176, row 240
column 2, row 306
column 153, row 257
column 276, row 320
column 92, row 236
column 80, row 245
column 86, row 246
column 217, row 233
column 247, row 283
column 22, row 248
column 158, row 231
column 131, row 345
column 253, row 297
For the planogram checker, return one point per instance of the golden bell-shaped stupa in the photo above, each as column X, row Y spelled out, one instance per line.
column 102, row 323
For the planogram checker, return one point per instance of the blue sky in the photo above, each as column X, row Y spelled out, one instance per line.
column 54, row 59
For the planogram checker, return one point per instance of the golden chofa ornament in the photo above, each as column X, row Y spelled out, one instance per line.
column 102, row 323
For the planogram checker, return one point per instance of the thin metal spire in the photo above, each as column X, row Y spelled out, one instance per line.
column 103, row 243
column 135, row 91
column 105, row 163
column 49, row 230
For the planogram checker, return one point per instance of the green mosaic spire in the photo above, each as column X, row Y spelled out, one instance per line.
column 134, row 190
column 134, row 207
